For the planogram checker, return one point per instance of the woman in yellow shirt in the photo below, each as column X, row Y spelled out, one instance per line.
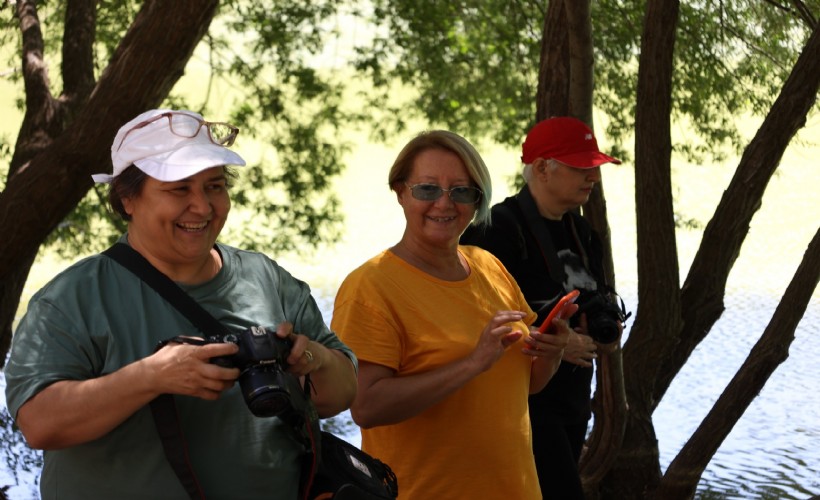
column 446, row 356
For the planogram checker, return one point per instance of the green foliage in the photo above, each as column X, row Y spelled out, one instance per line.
column 731, row 58
column 257, row 59
column 474, row 65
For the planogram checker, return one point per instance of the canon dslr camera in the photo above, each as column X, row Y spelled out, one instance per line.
column 262, row 358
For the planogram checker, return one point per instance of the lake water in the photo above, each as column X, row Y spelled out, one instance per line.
column 772, row 452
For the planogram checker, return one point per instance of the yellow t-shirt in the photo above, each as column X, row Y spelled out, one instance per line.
column 476, row 443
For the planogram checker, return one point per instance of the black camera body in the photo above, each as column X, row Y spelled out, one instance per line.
column 262, row 359
column 603, row 316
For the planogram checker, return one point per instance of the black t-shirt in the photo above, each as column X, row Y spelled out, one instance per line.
column 567, row 396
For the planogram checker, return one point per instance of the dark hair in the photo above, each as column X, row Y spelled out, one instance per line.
column 126, row 185
column 129, row 185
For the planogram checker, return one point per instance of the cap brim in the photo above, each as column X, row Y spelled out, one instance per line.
column 587, row 159
column 102, row 178
column 187, row 161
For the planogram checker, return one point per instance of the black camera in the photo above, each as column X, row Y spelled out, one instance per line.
column 603, row 316
column 262, row 358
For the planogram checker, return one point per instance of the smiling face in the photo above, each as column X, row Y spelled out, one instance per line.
column 436, row 223
column 175, row 224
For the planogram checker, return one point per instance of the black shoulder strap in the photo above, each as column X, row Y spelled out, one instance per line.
column 512, row 219
column 163, row 407
column 170, row 291
column 538, row 230
column 581, row 233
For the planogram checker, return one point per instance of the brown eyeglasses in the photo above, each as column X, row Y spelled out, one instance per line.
column 185, row 125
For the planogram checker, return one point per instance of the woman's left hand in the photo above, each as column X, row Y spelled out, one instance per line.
column 333, row 375
column 548, row 344
column 546, row 350
column 305, row 355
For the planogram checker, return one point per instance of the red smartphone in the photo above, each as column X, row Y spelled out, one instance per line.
column 559, row 311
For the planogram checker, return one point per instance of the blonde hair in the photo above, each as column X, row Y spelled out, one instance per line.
column 454, row 143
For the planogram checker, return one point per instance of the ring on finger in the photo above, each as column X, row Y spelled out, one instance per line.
column 308, row 355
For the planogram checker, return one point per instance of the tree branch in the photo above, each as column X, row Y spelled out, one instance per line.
column 78, row 50
column 723, row 237
column 682, row 476
column 38, row 128
column 52, row 169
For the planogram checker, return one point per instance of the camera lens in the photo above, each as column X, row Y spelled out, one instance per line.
column 269, row 402
column 604, row 330
column 264, row 392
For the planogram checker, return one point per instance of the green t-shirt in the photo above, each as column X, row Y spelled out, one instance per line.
column 97, row 317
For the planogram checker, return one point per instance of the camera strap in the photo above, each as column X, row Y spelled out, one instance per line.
column 163, row 408
column 539, row 231
column 165, row 286
column 534, row 222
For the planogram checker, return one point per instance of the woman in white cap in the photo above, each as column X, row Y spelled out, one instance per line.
column 84, row 364
column 551, row 250
column 442, row 333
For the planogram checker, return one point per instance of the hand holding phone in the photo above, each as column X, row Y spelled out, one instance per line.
column 559, row 311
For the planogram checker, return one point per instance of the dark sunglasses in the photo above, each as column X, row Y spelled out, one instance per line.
column 465, row 195
column 185, row 125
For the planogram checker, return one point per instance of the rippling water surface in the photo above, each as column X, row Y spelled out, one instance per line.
column 772, row 452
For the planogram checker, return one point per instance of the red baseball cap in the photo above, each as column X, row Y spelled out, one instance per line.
column 565, row 139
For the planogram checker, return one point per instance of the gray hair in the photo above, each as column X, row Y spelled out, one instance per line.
column 527, row 172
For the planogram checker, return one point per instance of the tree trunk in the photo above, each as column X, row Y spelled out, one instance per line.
column 705, row 285
column 552, row 97
column 54, row 170
column 565, row 89
column 704, row 289
column 638, row 466
column 610, row 410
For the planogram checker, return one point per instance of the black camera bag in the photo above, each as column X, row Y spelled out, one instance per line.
column 347, row 473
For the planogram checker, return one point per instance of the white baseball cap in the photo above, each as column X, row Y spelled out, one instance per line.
column 158, row 143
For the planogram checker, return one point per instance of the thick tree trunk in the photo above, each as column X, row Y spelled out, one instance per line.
column 50, row 167
column 637, row 467
column 610, row 410
column 704, row 289
column 565, row 89
column 552, row 97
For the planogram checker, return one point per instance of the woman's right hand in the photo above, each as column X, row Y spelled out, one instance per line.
column 70, row 412
column 187, row 369
column 496, row 337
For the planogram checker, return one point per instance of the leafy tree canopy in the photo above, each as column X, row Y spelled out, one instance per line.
column 474, row 64
column 256, row 67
